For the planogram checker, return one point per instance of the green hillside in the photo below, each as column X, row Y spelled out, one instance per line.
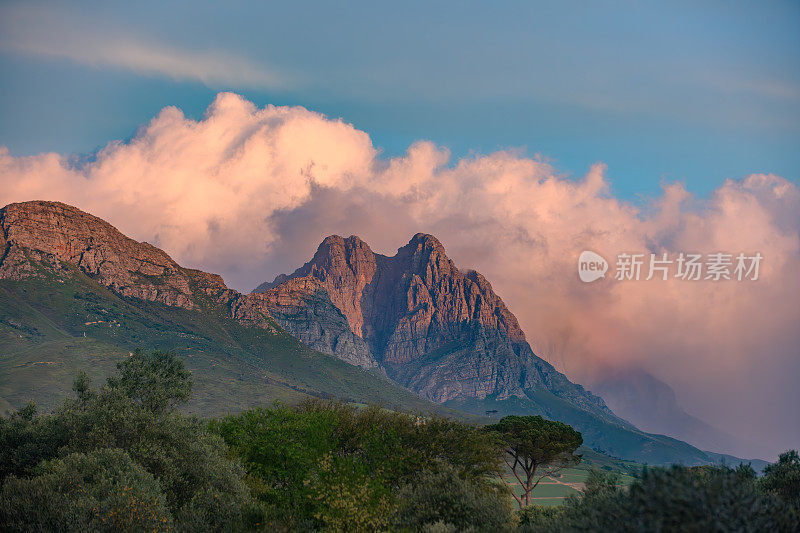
column 604, row 436
column 53, row 326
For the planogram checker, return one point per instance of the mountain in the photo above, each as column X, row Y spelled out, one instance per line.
column 651, row 405
column 434, row 329
column 446, row 335
column 76, row 294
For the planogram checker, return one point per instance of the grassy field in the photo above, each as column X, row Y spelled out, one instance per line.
column 554, row 490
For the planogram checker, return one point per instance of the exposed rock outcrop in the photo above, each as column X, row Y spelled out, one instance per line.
column 436, row 330
column 35, row 235
column 304, row 309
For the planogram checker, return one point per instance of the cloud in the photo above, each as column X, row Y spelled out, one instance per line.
column 249, row 192
column 50, row 33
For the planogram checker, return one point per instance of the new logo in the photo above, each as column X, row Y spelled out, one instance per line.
column 591, row 266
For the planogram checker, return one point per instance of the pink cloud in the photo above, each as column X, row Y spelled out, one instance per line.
column 249, row 192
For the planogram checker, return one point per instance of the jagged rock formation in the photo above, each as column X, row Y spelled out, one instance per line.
column 304, row 309
column 434, row 329
column 52, row 235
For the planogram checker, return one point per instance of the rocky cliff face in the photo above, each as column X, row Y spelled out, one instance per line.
column 52, row 235
column 434, row 329
column 304, row 309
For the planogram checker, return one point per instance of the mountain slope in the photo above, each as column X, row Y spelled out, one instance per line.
column 436, row 330
column 75, row 293
column 446, row 335
column 651, row 404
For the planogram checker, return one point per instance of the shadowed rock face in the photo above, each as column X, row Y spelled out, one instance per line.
column 304, row 309
column 434, row 329
column 52, row 234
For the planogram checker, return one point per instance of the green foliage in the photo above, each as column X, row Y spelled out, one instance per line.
column 104, row 490
column 537, row 439
column 675, row 499
column 133, row 412
column 179, row 451
column 532, row 442
column 279, row 448
column 156, row 381
column 340, row 468
column 783, row 479
column 27, row 439
column 443, row 500
column 541, row 518
column 348, row 497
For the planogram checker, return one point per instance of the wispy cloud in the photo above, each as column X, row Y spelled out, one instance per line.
column 47, row 32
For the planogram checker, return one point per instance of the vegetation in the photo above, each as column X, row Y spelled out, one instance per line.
column 443, row 499
column 328, row 465
column 119, row 454
column 536, row 448
column 782, row 479
column 677, row 498
column 121, row 457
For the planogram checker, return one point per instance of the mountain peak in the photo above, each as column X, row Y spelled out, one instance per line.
column 52, row 233
column 333, row 244
column 426, row 240
column 410, row 304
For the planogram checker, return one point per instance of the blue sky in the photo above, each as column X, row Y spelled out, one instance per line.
column 695, row 92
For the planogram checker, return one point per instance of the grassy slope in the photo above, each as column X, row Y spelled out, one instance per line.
column 42, row 347
column 54, row 326
column 606, row 437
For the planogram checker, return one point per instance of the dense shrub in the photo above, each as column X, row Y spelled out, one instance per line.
column 27, row 439
column 103, row 490
column 541, row 518
column 328, row 465
column 783, row 479
column 673, row 499
column 443, row 500
column 133, row 412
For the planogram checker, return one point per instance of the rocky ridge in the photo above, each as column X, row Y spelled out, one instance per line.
column 434, row 329
column 52, row 235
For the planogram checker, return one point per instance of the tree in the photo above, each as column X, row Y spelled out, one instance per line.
column 324, row 464
column 103, row 490
column 134, row 413
column 27, row 438
column 783, row 479
column 536, row 448
column 677, row 498
column 157, row 381
column 443, row 497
